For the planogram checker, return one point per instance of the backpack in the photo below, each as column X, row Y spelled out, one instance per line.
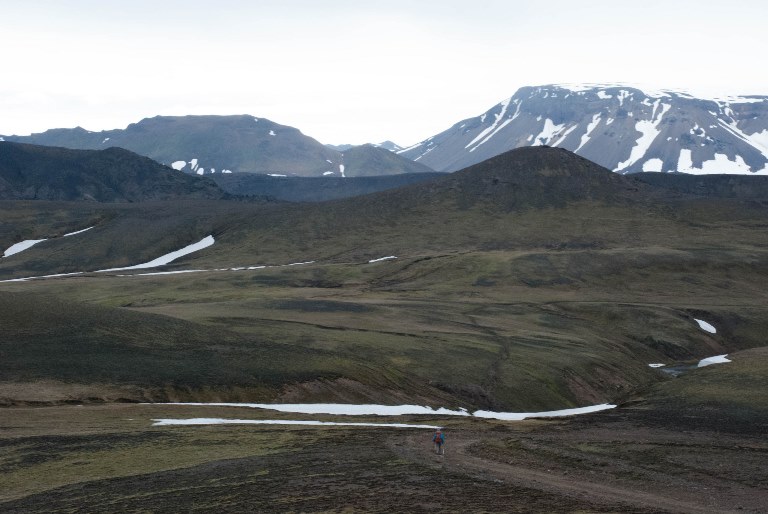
column 439, row 439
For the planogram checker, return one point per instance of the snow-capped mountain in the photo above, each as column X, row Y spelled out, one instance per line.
column 621, row 128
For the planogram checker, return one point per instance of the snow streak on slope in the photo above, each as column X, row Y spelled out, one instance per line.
column 492, row 130
column 169, row 257
column 590, row 128
column 649, row 130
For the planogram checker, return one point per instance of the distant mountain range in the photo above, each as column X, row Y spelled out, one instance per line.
column 621, row 128
column 33, row 172
column 386, row 145
column 205, row 145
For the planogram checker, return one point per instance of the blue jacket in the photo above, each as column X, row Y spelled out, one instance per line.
column 438, row 438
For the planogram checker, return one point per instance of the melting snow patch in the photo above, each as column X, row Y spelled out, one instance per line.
column 276, row 175
column 105, row 140
column 169, row 257
column 326, row 173
column 657, row 365
column 706, row 326
column 603, row 95
column 717, row 359
column 382, row 259
column 20, row 247
column 201, row 171
column 193, row 164
column 399, row 410
column 341, row 170
column 272, row 133
column 226, row 171
column 178, row 165
column 221, row 421
column 339, row 409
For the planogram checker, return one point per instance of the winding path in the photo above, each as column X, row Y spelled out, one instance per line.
column 459, row 459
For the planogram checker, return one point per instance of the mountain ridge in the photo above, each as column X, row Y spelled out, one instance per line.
column 210, row 144
column 619, row 127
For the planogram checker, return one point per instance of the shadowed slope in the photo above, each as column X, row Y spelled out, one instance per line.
column 31, row 172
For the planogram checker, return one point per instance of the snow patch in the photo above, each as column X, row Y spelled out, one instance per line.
column 519, row 416
column 201, row 171
column 705, row 326
column 591, row 127
column 341, row 170
column 77, row 232
column 20, row 247
column 399, row 410
column 193, row 164
column 276, row 175
column 169, row 257
column 489, row 132
column 721, row 164
column 226, row 171
column 548, row 133
column 603, row 95
column 760, row 139
column 564, row 135
column 326, row 173
column 105, row 140
column 649, row 130
column 272, row 133
column 717, row 359
column 222, row 421
column 388, row 258
column 656, row 365
column 178, row 165
column 653, row 165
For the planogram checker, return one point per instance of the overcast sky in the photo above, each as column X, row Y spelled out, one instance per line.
column 354, row 71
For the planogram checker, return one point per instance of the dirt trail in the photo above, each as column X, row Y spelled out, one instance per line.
column 459, row 459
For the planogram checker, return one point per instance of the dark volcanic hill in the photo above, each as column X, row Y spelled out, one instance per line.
column 623, row 128
column 32, row 172
column 206, row 145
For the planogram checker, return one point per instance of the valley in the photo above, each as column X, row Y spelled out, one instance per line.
column 532, row 282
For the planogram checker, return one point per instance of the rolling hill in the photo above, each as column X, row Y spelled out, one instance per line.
column 33, row 172
column 533, row 280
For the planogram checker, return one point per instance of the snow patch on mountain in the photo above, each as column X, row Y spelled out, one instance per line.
column 649, row 130
column 548, row 132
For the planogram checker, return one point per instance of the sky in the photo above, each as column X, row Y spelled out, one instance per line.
column 344, row 71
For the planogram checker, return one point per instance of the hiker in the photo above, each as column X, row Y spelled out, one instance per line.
column 439, row 440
